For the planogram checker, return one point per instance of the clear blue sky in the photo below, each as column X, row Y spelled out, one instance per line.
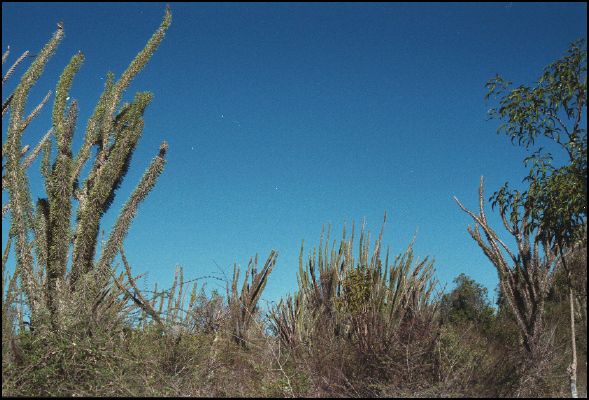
column 284, row 117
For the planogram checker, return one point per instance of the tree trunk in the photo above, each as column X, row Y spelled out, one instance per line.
column 572, row 370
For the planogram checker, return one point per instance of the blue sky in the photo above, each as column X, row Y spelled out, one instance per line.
column 284, row 117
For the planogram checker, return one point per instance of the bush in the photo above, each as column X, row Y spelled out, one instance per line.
column 361, row 327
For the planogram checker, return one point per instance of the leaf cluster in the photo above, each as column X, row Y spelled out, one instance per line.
column 554, row 108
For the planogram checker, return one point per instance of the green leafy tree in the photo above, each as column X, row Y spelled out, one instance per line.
column 468, row 302
column 554, row 108
column 555, row 203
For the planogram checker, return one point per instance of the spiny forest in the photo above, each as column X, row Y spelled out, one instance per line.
column 363, row 322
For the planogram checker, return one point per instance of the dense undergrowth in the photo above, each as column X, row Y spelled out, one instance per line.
column 343, row 342
column 362, row 323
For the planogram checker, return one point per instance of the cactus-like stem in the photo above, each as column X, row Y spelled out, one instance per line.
column 57, row 185
column 525, row 279
column 115, row 135
column 26, row 163
column 13, row 67
column 129, row 210
column 354, row 298
column 244, row 305
column 104, row 179
column 18, row 185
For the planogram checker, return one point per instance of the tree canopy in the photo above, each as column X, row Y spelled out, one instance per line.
column 554, row 107
column 467, row 302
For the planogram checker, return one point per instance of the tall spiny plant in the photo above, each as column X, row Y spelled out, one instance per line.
column 15, row 179
column 10, row 290
column 357, row 298
column 115, row 135
column 525, row 276
column 242, row 306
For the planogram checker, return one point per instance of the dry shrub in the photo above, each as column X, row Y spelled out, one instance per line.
column 361, row 327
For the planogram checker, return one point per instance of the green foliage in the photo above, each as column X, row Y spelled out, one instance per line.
column 554, row 108
column 462, row 358
column 468, row 302
column 357, row 287
column 554, row 206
